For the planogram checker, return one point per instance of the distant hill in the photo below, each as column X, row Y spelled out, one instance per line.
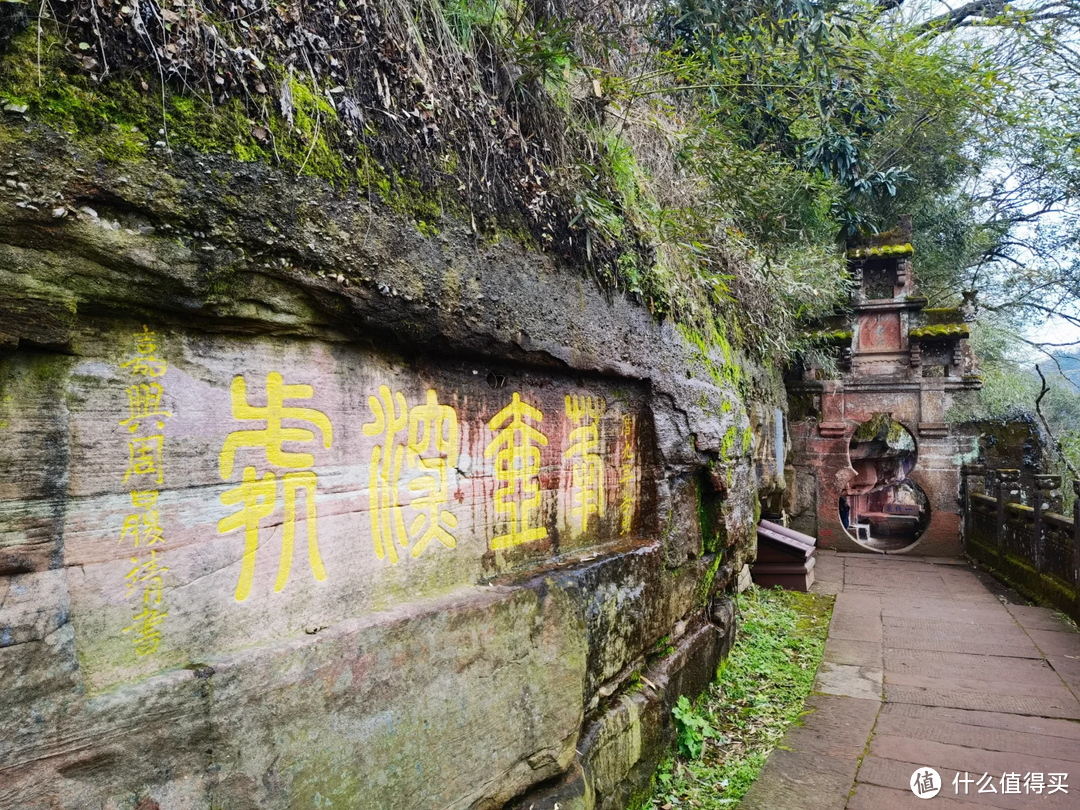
column 1070, row 365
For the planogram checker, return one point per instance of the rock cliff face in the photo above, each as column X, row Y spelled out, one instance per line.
column 302, row 505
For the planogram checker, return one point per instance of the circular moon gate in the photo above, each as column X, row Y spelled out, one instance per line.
column 881, row 508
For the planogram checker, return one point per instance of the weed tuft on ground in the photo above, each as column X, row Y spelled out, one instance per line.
column 723, row 740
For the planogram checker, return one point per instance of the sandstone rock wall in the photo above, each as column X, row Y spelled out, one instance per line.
column 301, row 507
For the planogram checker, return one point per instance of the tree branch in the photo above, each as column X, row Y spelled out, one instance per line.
column 952, row 19
column 1046, row 425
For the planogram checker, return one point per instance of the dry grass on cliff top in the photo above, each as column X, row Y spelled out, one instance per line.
column 724, row 740
column 554, row 120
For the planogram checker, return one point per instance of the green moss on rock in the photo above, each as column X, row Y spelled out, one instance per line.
column 710, row 517
column 124, row 118
column 705, row 588
column 730, row 373
column 881, row 251
column 727, row 444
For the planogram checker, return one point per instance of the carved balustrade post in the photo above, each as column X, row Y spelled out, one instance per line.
column 1042, row 483
column 965, row 496
column 1002, row 480
column 966, row 472
column 1076, row 536
column 1037, row 545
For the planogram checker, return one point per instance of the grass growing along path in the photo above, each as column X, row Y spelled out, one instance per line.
column 724, row 739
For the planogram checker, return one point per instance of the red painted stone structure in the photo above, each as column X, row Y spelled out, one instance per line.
column 901, row 367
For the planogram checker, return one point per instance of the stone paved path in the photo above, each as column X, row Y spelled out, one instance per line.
column 929, row 663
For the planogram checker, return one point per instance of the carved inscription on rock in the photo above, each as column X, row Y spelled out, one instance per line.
column 230, row 492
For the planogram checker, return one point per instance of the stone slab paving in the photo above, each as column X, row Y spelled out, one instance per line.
column 929, row 663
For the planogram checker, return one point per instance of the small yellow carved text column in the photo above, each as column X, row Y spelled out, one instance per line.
column 145, row 474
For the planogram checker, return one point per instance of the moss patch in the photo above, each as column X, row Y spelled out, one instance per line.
column 943, row 330
column 710, row 509
column 704, row 591
column 1020, row 575
column 882, row 251
column 124, row 119
column 727, row 444
column 728, row 373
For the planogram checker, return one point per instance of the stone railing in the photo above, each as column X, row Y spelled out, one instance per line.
column 1011, row 526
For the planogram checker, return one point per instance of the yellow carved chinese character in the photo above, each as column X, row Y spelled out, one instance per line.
column 517, row 469
column 151, row 533
column 144, row 402
column 433, row 447
column 391, row 418
column 142, row 527
column 145, row 571
column 145, row 341
column 271, row 437
column 427, row 435
column 144, row 457
column 147, row 636
column 626, row 477
column 145, row 363
column 258, row 498
column 588, row 474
